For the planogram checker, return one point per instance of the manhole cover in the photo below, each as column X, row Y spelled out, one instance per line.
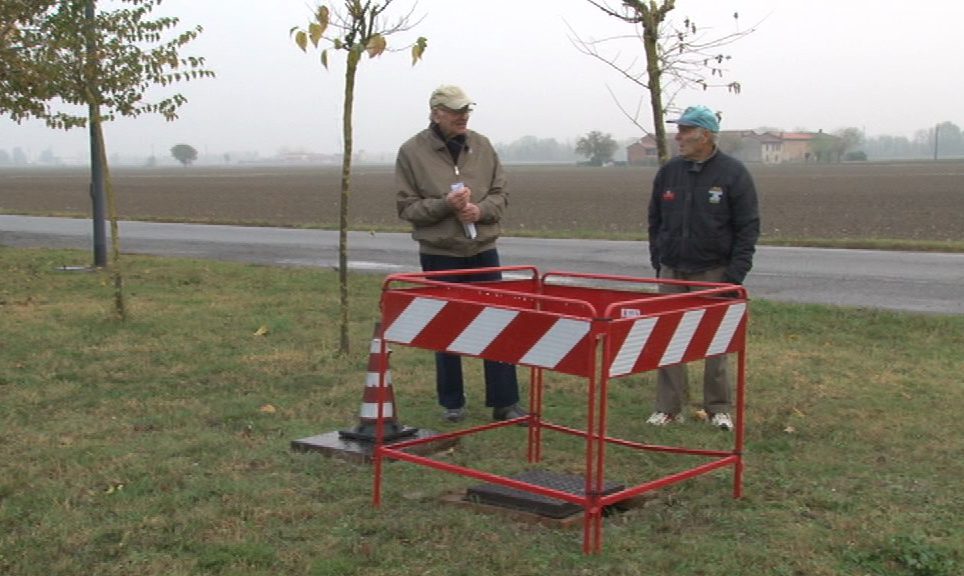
column 497, row 495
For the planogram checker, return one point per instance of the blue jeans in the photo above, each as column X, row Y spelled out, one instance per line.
column 501, row 384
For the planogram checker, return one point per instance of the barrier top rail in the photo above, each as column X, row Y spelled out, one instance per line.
column 577, row 300
column 508, row 289
column 665, row 301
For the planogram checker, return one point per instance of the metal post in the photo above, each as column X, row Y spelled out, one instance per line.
column 96, row 166
column 937, row 137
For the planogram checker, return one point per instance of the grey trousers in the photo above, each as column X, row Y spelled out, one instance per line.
column 672, row 386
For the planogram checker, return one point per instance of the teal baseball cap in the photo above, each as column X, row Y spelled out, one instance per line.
column 700, row 116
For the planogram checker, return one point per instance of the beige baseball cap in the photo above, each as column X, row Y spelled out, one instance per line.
column 451, row 97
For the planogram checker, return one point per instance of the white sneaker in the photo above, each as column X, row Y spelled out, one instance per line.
column 722, row 421
column 662, row 418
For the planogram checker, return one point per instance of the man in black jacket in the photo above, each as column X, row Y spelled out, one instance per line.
column 703, row 226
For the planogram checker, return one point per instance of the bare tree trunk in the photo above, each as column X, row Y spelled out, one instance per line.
column 655, row 72
column 681, row 54
column 353, row 57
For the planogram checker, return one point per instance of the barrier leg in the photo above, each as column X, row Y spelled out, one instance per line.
column 740, row 422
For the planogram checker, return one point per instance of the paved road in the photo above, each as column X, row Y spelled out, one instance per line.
column 907, row 281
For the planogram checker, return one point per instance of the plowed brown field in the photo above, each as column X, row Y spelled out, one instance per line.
column 907, row 201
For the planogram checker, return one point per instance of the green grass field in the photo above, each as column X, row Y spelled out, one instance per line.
column 160, row 445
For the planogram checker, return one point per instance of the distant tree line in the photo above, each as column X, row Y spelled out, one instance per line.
column 850, row 144
column 944, row 139
column 16, row 158
column 949, row 144
column 533, row 149
column 843, row 144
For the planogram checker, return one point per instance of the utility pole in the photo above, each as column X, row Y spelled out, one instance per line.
column 937, row 138
column 96, row 167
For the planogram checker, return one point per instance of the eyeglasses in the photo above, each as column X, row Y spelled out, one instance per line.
column 460, row 112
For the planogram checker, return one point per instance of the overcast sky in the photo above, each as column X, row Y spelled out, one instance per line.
column 885, row 66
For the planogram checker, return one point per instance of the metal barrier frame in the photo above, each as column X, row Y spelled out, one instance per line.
column 619, row 334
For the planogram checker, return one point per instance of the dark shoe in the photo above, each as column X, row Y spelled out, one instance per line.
column 454, row 414
column 508, row 413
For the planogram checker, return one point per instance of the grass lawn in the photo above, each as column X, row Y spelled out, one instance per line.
column 160, row 445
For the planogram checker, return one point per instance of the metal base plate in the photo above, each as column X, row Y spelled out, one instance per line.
column 390, row 433
column 496, row 495
column 66, row 268
column 332, row 444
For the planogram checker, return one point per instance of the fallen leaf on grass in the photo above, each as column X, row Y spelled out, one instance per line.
column 700, row 415
column 268, row 409
column 115, row 487
column 263, row 331
column 790, row 430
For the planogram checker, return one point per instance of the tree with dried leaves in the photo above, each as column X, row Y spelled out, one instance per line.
column 22, row 90
column 58, row 55
column 677, row 57
column 359, row 28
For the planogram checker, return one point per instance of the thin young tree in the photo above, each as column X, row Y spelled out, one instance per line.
column 677, row 56
column 358, row 28
column 66, row 56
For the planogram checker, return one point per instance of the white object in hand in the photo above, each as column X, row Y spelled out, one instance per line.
column 469, row 227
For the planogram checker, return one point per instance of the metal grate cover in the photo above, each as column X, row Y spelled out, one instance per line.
column 497, row 495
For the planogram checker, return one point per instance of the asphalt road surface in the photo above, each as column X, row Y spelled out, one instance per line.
column 905, row 281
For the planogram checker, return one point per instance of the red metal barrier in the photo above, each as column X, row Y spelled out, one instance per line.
column 560, row 321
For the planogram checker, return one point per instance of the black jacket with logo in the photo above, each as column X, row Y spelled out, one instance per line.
column 703, row 215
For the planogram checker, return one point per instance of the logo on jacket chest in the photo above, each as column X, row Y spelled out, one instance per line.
column 669, row 196
column 716, row 193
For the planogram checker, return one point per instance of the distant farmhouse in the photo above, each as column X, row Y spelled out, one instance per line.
column 751, row 146
column 642, row 151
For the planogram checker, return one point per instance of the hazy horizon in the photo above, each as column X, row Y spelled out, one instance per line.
column 816, row 65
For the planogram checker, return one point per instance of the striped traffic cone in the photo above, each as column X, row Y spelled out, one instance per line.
column 368, row 415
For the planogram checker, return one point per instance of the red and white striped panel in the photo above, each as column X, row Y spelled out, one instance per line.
column 524, row 337
column 654, row 341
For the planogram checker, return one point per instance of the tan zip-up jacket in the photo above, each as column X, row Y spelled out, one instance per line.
column 424, row 174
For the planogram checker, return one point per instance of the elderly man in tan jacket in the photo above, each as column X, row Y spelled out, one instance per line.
column 451, row 188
